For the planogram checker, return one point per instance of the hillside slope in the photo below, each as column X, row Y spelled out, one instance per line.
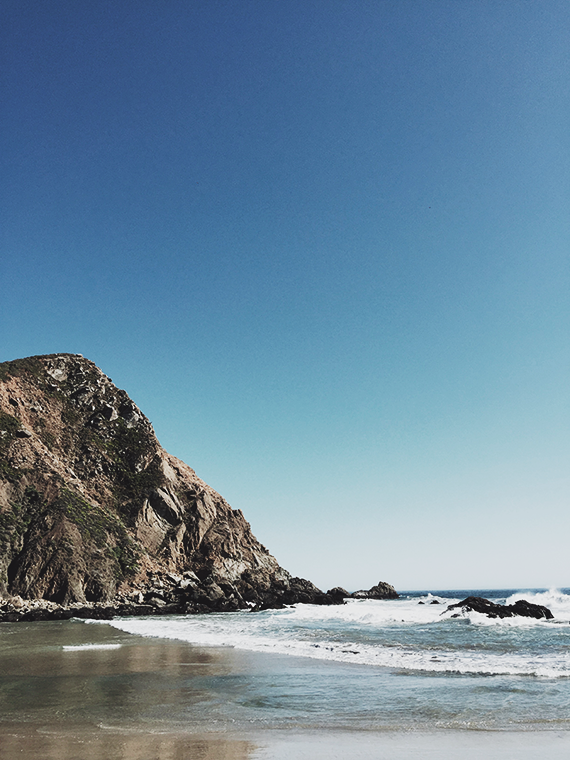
column 93, row 509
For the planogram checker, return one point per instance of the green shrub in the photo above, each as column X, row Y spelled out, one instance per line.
column 18, row 367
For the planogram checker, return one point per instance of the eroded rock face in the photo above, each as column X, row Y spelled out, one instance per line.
column 94, row 510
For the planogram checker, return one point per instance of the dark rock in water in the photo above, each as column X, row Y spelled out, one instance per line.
column 338, row 593
column 298, row 590
column 493, row 610
column 97, row 519
column 528, row 609
column 434, row 601
column 380, row 591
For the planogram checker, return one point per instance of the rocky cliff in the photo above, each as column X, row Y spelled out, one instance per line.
column 94, row 510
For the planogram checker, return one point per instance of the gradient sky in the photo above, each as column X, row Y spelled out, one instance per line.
column 325, row 247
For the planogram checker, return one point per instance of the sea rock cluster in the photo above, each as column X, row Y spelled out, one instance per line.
column 96, row 518
column 166, row 594
column 520, row 608
column 380, row 591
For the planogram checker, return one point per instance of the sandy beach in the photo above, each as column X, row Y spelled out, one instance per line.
column 32, row 742
column 77, row 690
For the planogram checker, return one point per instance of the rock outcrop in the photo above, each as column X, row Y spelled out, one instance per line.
column 491, row 609
column 95, row 515
column 380, row 591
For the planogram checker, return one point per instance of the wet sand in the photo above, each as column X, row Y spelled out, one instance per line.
column 38, row 743
column 72, row 690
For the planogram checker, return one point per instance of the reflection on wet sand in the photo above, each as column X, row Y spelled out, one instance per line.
column 125, row 680
column 72, row 690
column 79, row 675
column 32, row 745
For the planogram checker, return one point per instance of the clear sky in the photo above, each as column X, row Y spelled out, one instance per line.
column 324, row 245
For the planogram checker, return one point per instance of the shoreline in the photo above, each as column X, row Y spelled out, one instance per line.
column 35, row 743
column 79, row 689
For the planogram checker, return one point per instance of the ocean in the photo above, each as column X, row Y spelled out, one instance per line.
column 409, row 664
column 362, row 670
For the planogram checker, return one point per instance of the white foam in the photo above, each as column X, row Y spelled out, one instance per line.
column 401, row 658
column 359, row 632
column 557, row 602
column 82, row 647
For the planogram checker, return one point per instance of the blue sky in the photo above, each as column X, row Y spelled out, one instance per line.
column 325, row 247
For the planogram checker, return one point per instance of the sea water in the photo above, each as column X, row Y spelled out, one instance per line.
column 404, row 665
column 408, row 663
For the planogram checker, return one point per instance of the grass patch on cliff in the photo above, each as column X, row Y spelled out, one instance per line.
column 7, row 525
column 14, row 522
column 130, row 449
column 9, row 427
column 93, row 523
column 18, row 367
column 101, row 527
column 127, row 556
column 69, row 415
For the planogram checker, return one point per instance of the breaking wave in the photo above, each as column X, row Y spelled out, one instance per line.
column 414, row 633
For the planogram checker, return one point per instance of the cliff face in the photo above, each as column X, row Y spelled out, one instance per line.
column 92, row 508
